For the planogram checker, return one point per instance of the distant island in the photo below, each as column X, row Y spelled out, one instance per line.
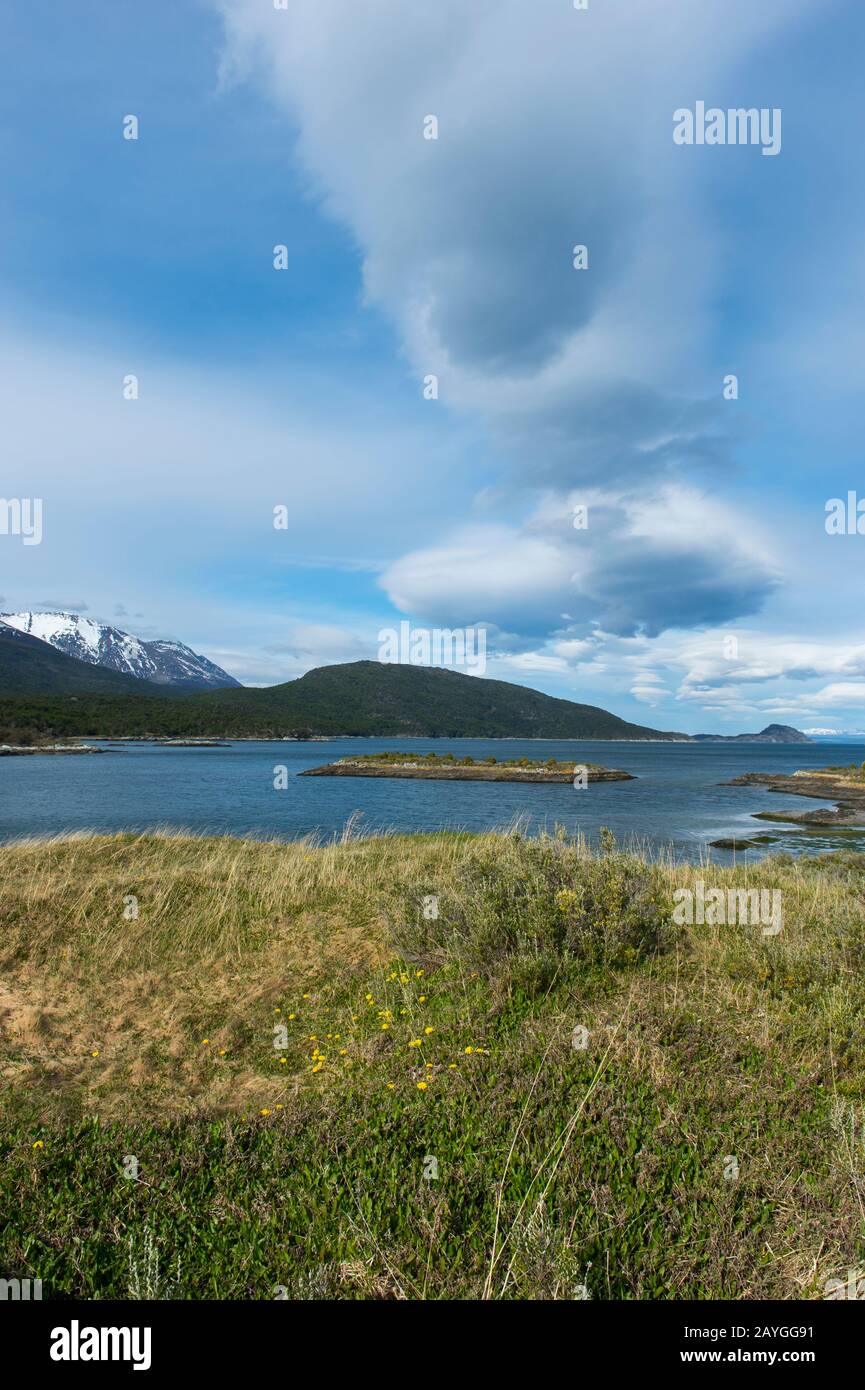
column 773, row 733
column 447, row 767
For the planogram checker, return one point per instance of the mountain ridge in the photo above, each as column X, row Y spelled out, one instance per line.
column 161, row 661
column 29, row 666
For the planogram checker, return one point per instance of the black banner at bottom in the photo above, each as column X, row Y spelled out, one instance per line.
column 81, row 1339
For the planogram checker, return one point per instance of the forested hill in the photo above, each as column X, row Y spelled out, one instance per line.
column 359, row 698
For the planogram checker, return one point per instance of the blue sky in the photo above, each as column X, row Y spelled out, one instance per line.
column 705, row 593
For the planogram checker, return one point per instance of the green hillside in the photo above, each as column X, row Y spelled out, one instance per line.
column 361, row 698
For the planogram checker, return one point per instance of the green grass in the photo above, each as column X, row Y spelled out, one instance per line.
column 557, row 1168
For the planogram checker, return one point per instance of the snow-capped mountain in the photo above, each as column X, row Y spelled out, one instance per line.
column 167, row 663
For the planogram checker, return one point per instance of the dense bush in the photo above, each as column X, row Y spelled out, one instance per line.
column 547, row 899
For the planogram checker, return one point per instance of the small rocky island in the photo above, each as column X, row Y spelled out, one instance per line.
column 13, row 750
column 843, row 785
column 190, row 743
column 447, row 767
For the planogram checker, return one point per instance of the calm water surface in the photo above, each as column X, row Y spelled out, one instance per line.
column 678, row 801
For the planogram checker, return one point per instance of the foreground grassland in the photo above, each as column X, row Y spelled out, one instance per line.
column 429, row 1128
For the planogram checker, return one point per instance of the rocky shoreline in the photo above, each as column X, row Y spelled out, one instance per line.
column 847, row 791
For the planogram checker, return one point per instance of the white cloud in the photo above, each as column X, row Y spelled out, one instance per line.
column 644, row 564
column 846, row 694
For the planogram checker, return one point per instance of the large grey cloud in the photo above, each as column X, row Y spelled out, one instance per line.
column 674, row 559
column 554, row 129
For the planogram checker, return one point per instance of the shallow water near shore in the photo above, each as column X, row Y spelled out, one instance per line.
column 678, row 800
